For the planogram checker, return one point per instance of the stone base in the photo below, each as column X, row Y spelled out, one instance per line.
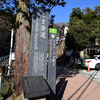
column 21, row 97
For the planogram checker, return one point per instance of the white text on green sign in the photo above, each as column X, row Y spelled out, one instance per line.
column 52, row 30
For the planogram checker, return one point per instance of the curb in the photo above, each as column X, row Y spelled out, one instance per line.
column 97, row 77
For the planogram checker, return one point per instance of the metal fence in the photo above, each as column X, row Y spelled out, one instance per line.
column 4, row 57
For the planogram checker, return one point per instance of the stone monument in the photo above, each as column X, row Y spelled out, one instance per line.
column 41, row 79
column 39, row 40
column 52, row 59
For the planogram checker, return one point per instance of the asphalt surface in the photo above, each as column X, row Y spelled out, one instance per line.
column 94, row 74
column 77, row 85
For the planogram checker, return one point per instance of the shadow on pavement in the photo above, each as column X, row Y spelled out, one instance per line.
column 62, row 72
column 61, row 61
column 61, row 68
column 90, row 78
column 60, row 88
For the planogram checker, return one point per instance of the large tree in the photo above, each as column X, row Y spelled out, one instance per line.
column 77, row 35
column 22, row 43
column 23, row 9
column 76, row 12
column 23, row 36
column 91, row 18
column 84, row 27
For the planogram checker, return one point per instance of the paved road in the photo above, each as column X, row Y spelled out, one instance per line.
column 72, row 85
column 93, row 74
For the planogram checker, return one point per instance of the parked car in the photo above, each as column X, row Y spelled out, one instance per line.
column 92, row 63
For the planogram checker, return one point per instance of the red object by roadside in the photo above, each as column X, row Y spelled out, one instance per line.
column 88, row 70
column 88, row 61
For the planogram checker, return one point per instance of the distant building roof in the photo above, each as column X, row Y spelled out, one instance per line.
column 92, row 47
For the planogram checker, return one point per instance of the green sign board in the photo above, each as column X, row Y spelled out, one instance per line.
column 52, row 30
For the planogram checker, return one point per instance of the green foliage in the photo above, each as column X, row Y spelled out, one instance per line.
column 77, row 67
column 84, row 27
column 97, row 9
column 89, row 17
column 86, row 56
column 85, row 51
column 3, row 79
column 87, row 10
column 6, row 89
column 8, row 10
column 7, row 22
column 77, row 35
column 49, row 4
column 11, row 5
column 76, row 12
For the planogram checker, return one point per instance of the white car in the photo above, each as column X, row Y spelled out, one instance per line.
column 92, row 63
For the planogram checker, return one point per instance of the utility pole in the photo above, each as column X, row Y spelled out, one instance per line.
column 10, row 55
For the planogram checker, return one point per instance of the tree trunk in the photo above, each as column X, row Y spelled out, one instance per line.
column 22, row 43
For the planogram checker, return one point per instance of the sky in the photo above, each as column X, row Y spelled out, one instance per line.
column 63, row 13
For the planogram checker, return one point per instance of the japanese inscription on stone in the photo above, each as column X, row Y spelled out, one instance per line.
column 39, row 38
column 52, row 59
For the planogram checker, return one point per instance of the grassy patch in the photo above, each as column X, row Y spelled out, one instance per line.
column 77, row 67
column 6, row 89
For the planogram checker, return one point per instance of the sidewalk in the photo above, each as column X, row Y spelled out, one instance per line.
column 73, row 86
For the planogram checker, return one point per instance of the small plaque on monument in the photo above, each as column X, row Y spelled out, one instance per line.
column 35, row 86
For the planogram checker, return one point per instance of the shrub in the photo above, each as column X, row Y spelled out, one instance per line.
column 86, row 56
column 6, row 89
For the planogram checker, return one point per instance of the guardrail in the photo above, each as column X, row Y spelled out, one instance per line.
column 4, row 57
